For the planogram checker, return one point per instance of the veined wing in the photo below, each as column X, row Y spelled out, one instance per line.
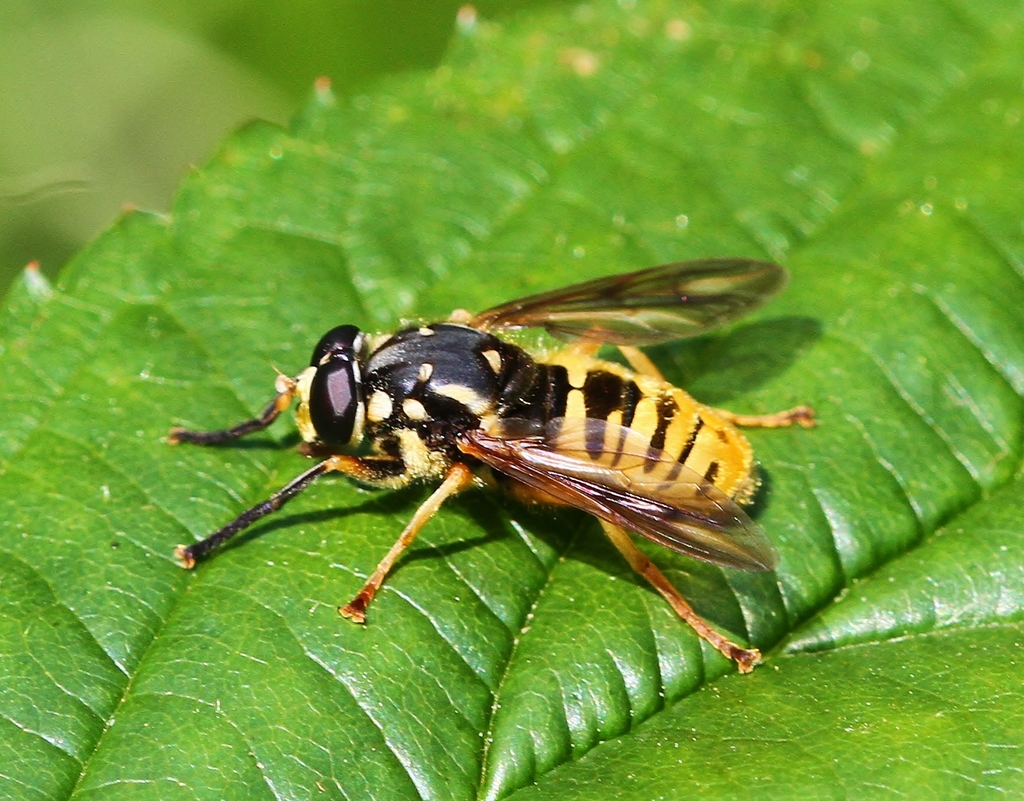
column 611, row 472
column 659, row 304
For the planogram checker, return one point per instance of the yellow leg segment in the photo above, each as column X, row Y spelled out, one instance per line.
column 801, row 415
column 641, row 362
column 745, row 658
column 459, row 477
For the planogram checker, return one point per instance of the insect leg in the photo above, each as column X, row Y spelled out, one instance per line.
column 745, row 658
column 459, row 477
column 640, row 362
column 286, row 391
column 584, row 348
column 367, row 470
column 802, row 415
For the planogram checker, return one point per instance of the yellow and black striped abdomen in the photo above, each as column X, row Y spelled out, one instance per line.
column 669, row 420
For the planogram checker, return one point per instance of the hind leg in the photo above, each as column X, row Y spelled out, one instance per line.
column 745, row 658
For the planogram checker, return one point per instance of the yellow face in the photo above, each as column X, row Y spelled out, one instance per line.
column 302, row 383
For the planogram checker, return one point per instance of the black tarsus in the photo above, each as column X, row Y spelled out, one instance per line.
column 189, row 555
column 269, row 414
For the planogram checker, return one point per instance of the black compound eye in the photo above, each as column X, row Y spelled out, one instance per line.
column 345, row 339
column 334, row 401
column 335, row 394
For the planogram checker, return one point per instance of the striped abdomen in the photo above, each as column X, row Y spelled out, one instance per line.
column 669, row 420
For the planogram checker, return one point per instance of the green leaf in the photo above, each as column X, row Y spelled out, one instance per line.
column 873, row 147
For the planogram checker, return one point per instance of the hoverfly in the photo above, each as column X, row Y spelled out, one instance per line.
column 452, row 402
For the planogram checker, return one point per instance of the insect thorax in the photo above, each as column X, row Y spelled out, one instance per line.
column 436, row 381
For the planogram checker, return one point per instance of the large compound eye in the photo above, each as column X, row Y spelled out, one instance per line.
column 343, row 339
column 335, row 394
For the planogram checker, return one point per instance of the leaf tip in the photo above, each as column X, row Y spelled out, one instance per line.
column 36, row 284
column 466, row 17
column 322, row 91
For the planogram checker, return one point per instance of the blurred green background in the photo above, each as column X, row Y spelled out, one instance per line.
column 107, row 104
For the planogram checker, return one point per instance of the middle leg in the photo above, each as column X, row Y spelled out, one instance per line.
column 459, row 478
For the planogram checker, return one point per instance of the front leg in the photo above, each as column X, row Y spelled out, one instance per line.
column 286, row 388
column 368, row 470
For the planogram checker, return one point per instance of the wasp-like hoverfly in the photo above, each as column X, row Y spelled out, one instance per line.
column 452, row 402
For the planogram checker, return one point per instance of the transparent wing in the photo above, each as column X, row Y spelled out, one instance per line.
column 612, row 473
column 642, row 308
